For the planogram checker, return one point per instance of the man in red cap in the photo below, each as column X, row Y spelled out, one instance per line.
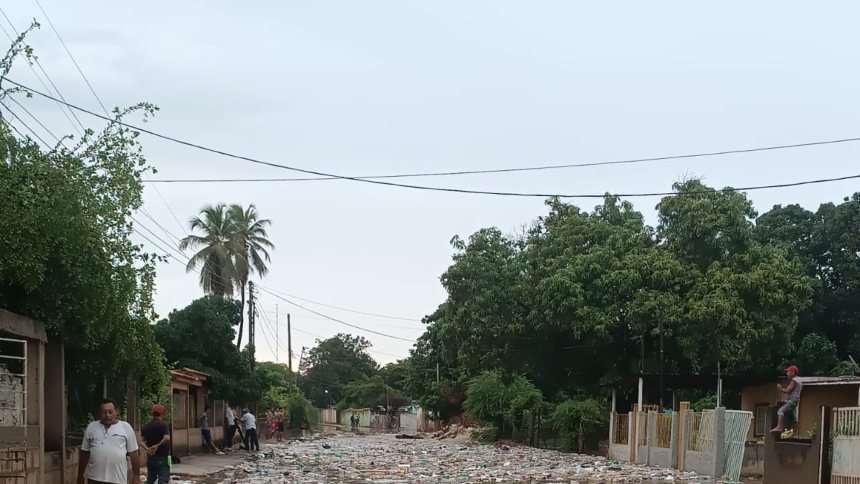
column 787, row 413
column 156, row 442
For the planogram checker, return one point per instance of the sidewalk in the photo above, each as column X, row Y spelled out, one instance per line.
column 202, row 465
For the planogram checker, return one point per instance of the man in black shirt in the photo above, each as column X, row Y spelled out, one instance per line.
column 156, row 442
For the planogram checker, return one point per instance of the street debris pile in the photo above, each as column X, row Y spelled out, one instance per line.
column 379, row 459
column 453, row 431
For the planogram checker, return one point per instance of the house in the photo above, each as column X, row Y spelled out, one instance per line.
column 831, row 391
column 190, row 392
column 32, row 393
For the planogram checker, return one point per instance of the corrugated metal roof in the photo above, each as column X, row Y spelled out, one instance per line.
column 829, row 380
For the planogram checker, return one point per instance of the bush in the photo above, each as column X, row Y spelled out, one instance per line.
column 571, row 415
column 494, row 398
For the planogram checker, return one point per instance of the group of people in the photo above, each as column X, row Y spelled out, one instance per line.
column 109, row 443
column 275, row 424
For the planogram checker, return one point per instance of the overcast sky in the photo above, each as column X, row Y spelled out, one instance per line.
column 397, row 86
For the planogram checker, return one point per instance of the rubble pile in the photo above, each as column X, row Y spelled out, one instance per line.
column 385, row 459
column 453, row 431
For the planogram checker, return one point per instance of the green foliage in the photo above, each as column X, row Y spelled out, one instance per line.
column 501, row 400
column 844, row 368
column 708, row 402
column 66, row 256
column 297, row 408
column 333, row 363
column 581, row 298
column 817, row 355
column 570, row 416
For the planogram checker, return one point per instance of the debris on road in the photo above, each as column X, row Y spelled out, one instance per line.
column 382, row 458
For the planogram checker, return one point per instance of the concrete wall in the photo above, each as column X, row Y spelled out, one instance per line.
column 700, row 462
column 619, row 452
column 660, row 457
column 798, row 461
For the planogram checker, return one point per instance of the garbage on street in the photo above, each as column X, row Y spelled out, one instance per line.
column 385, row 459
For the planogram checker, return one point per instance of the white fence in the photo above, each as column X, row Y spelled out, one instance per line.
column 710, row 443
column 846, row 446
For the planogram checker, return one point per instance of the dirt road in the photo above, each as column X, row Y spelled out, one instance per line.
column 348, row 458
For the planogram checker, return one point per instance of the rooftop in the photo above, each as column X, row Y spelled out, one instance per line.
column 828, row 380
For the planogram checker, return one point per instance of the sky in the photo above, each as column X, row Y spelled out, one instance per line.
column 380, row 87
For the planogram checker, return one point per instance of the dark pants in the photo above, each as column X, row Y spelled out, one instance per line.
column 251, row 442
column 231, row 432
column 156, row 468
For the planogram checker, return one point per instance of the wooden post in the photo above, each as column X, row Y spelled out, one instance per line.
column 683, row 407
column 634, row 429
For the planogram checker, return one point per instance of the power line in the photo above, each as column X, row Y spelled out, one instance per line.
column 59, row 141
column 476, row 192
column 301, row 315
column 344, row 309
column 47, row 146
column 75, row 62
column 98, row 99
column 521, row 169
column 337, row 320
column 42, row 82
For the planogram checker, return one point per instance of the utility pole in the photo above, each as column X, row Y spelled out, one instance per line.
column 277, row 337
column 661, row 358
column 290, row 342
column 437, row 372
column 251, row 311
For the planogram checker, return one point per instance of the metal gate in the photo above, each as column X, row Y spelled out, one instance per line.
column 845, row 431
column 737, row 426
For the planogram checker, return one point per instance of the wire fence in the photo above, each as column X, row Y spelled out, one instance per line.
column 700, row 429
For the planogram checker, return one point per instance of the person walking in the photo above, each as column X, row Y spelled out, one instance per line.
column 207, row 433
column 250, row 422
column 787, row 413
column 107, row 446
column 229, row 425
column 156, row 443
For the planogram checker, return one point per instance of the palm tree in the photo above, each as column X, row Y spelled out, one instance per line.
column 249, row 240
column 216, row 255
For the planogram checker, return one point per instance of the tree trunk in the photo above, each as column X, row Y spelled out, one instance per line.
column 241, row 316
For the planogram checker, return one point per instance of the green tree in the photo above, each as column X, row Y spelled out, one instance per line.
column 200, row 336
column 817, row 355
column 215, row 256
column 248, row 244
column 826, row 243
column 333, row 363
column 66, row 254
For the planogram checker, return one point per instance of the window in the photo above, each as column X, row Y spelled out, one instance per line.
column 762, row 418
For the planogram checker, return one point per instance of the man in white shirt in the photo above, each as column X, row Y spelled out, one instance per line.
column 230, row 425
column 107, row 444
column 250, row 422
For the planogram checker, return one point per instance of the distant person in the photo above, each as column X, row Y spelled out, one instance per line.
column 787, row 413
column 250, row 422
column 279, row 420
column 229, row 426
column 108, row 444
column 207, row 433
column 156, row 443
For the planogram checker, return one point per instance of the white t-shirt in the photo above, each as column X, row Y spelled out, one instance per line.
column 108, row 450
column 250, row 421
column 231, row 419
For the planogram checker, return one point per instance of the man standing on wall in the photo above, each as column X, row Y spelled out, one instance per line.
column 108, row 442
column 787, row 413
column 156, row 443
